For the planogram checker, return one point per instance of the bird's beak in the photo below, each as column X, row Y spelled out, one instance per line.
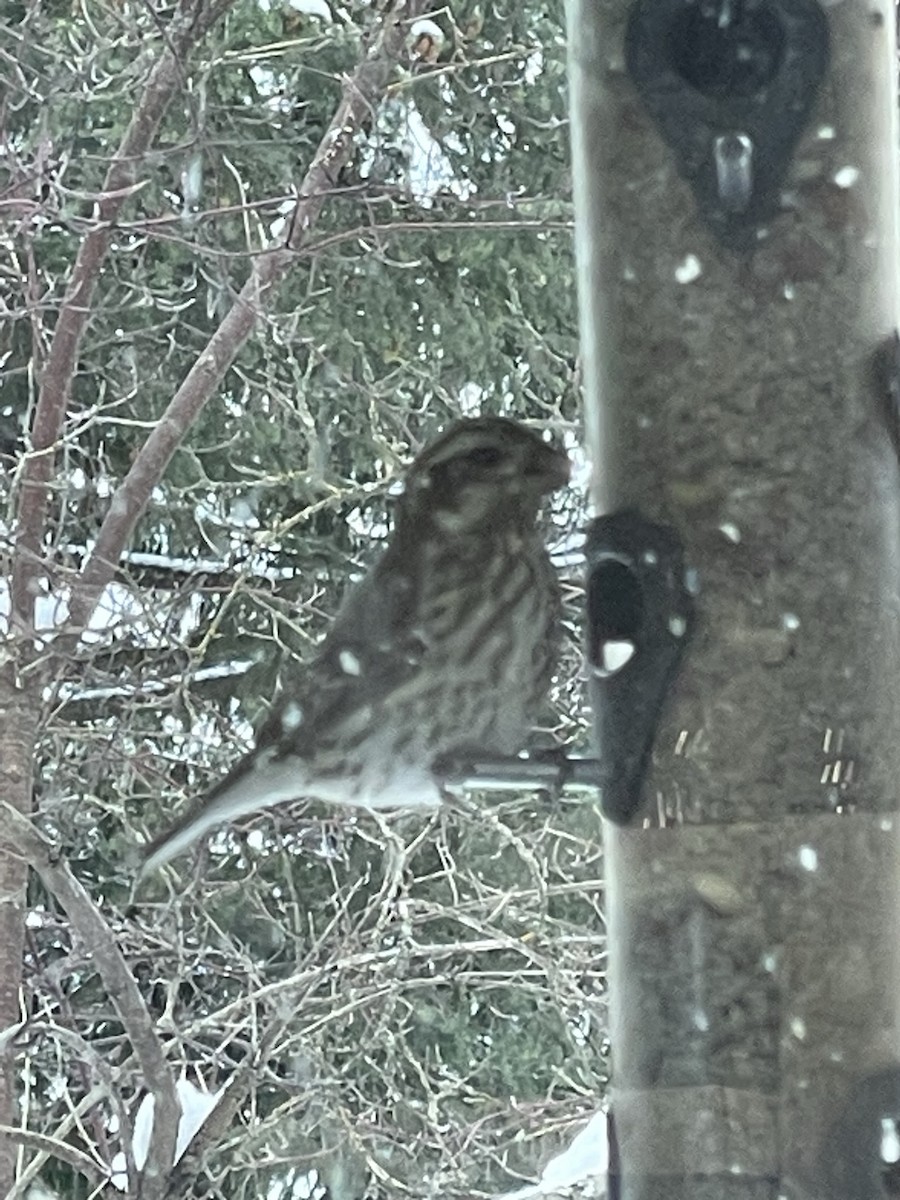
column 551, row 464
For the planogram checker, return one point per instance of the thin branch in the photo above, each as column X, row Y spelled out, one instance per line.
column 362, row 91
column 52, row 1147
column 100, row 944
column 388, row 229
column 374, row 229
column 188, row 27
column 94, row 1066
column 21, row 1189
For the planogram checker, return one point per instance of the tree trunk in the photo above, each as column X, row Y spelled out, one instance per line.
column 18, row 735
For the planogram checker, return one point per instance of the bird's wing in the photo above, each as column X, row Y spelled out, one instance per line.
column 372, row 648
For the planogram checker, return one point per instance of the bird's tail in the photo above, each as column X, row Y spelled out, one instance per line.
column 257, row 782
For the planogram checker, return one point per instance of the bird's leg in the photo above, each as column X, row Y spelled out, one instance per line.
column 549, row 769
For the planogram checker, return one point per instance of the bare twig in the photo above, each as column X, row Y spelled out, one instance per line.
column 22, row 1186
column 360, row 96
column 52, row 1147
column 100, row 945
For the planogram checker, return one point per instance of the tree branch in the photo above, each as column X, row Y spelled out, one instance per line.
column 189, row 25
column 52, row 1147
column 100, row 944
column 361, row 94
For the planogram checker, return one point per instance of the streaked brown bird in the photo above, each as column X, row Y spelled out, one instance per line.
column 445, row 648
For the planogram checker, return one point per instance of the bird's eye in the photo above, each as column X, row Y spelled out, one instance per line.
column 485, row 456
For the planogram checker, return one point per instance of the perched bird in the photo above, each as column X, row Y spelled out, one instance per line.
column 445, row 648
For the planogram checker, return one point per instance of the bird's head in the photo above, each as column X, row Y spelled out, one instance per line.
column 483, row 473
